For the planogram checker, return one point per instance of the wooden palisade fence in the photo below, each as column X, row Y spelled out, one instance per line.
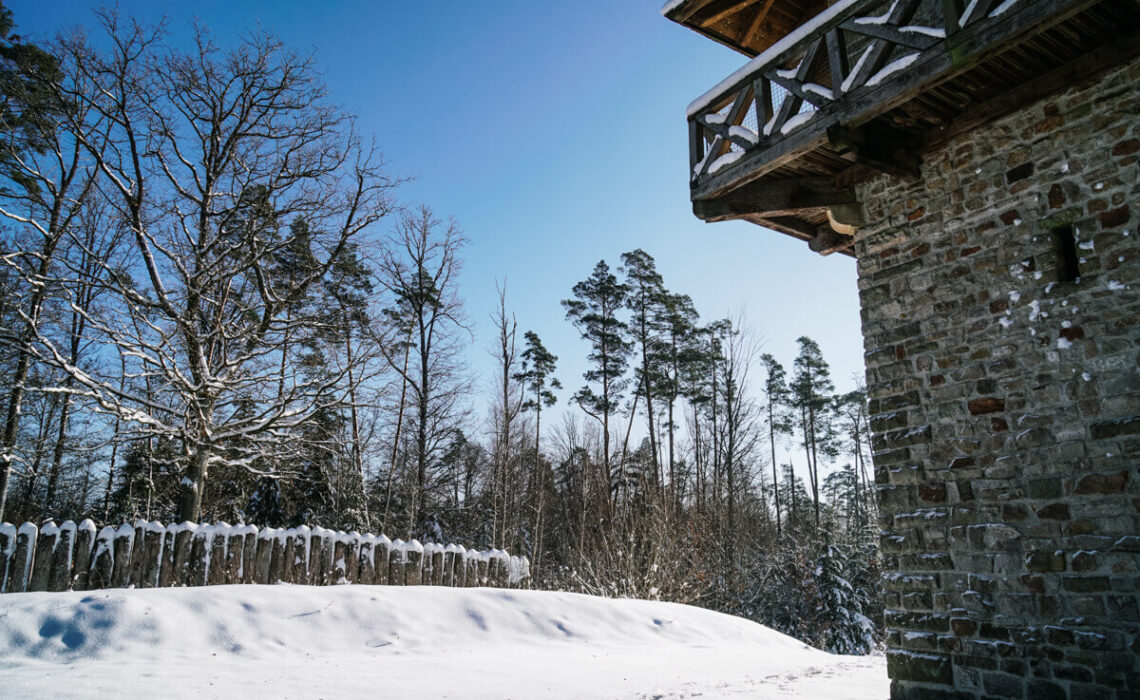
column 153, row 555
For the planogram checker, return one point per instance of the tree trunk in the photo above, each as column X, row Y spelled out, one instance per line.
column 396, row 439
column 193, row 484
column 775, row 477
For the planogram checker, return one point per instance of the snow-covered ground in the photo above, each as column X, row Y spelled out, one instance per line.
column 401, row 642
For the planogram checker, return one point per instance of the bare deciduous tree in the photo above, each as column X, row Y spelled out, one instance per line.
column 420, row 270
column 212, row 156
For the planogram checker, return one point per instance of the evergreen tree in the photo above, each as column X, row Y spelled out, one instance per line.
column 594, row 310
column 645, row 301
column 779, row 421
column 29, row 107
column 841, row 607
column 680, row 350
column 811, row 397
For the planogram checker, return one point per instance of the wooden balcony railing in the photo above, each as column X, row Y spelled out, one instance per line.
column 853, row 62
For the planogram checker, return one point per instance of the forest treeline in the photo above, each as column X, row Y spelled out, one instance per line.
column 212, row 307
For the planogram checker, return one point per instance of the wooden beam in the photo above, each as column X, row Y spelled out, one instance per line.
column 887, row 150
column 837, row 61
column 820, row 239
column 807, row 232
column 731, row 9
column 952, row 15
column 827, row 241
column 753, row 29
column 900, row 13
column 685, row 11
column 789, row 225
column 769, row 198
column 887, row 33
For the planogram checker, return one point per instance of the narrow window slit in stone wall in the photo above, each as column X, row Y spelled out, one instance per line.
column 1065, row 253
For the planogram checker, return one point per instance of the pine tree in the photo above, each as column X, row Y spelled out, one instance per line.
column 538, row 364
column 680, row 350
column 594, row 308
column 811, row 397
column 645, row 302
column 778, row 419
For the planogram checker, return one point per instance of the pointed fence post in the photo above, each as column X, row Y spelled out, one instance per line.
column 84, row 546
column 24, row 557
column 60, row 577
column 382, row 550
column 185, row 544
column 7, row 553
column 266, row 543
column 413, row 563
column 366, row 569
column 249, row 555
column 103, row 559
column 138, row 552
column 124, row 543
column 150, row 570
column 427, row 567
column 396, row 563
column 45, row 552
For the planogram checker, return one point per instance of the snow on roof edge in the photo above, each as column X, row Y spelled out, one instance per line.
column 770, row 53
column 670, row 5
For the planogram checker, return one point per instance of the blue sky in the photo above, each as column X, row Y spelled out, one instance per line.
column 554, row 133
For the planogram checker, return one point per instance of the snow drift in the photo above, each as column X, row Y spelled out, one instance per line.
column 394, row 642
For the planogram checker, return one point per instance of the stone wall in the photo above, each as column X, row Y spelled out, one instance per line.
column 1005, row 402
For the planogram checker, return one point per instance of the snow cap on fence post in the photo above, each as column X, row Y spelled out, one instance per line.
column 381, row 554
column 437, row 565
column 427, row 565
column 396, row 563
column 413, row 563
column 471, row 568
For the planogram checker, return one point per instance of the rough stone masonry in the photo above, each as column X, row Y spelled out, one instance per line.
column 1000, row 298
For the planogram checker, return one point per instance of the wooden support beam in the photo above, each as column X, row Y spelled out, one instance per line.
column 837, row 60
column 820, row 239
column 885, row 32
column 788, row 225
column 731, row 9
column 769, row 198
column 750, row 34
column 952, row 15
column 887, row 150
column 827, row 241
column 686, row 11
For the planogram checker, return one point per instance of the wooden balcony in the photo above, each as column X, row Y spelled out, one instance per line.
column 868, row 86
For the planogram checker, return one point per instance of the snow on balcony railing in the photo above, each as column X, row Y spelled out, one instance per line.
column 803, row 81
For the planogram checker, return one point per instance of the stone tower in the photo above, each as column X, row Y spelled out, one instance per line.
column 979, row 160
